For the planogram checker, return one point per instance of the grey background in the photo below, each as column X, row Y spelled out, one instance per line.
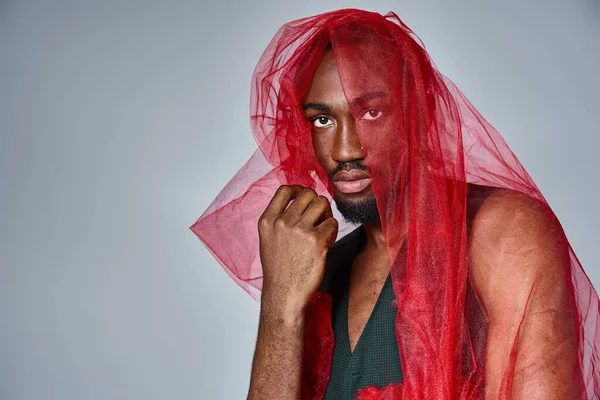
column 120, row 121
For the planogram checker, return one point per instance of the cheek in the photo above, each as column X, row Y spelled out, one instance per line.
column 322, row 147
column 384, row 136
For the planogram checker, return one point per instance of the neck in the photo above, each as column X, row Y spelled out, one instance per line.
column 375, row 239
column 371, row 261
column 374, row 236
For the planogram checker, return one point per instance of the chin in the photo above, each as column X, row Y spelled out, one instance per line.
column 357, row 208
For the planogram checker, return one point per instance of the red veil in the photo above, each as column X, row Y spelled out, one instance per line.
column 437, row 145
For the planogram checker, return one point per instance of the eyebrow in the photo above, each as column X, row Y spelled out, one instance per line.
column 317, row 106
column 365, row 98
column 360, row 101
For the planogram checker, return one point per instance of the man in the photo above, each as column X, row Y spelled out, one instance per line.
column 447, row 289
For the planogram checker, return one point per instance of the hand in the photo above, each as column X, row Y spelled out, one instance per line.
column 294, row 242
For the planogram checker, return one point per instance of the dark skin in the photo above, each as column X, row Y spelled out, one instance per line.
column 335, row 141
column 514, row 246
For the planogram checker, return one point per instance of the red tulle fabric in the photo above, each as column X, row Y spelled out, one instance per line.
column 437, row 145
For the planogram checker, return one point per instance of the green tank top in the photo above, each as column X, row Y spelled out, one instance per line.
column 375, row 360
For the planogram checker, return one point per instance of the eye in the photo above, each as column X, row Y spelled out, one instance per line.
column 322, row 122
column 372, row 114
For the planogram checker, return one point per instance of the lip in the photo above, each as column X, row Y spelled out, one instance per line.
column 351, row 181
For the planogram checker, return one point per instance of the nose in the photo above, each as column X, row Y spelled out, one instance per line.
column 346, row 146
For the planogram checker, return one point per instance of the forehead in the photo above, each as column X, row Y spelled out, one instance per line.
column 325, row 84
column 354, row 76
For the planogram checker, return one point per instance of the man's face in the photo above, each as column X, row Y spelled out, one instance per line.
column 337, row 145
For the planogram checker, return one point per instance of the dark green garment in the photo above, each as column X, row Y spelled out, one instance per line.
column 375, row 360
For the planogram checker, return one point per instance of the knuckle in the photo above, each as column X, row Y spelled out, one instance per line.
column 282, row 189
column 298, row 230
column 321, row 201
column 311, row 240
column 280, row 223
column 330, row 223
column 308, row 190
column 307, row 194
column 263, row 222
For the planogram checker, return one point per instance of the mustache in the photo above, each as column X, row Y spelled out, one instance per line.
column 347, row 166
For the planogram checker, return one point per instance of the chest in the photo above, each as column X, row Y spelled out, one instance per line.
column 362, row 299
column 367, row 277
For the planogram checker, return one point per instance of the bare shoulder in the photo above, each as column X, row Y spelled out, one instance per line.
column 514, row 243
column 513, row 218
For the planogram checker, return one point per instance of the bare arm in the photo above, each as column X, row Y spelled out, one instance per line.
column 519, row 271
column 294, row 241
column 277, row 365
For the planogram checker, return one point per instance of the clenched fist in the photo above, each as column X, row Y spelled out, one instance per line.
column 295, row 231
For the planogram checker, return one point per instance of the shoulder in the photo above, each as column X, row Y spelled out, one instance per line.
column 507, row 215
column 515, row 242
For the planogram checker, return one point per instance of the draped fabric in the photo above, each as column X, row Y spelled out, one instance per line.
column 420, row 161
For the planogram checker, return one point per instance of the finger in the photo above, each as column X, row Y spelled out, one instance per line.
column 328, row 230
column 280, row 200
column 297, row 207
column 318, row 210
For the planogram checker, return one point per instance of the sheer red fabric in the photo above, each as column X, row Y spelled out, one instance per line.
column 420, row 161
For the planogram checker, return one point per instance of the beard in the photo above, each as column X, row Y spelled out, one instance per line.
column 356, row 212
column 359, row 212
